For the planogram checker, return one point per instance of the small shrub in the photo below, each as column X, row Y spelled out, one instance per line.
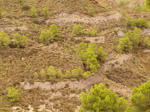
column 92, row 33
column 0, row 13
column 68, row 74
column 20, row 40
column 121, row 3
column 4, row 40
column 25, row 7
column 45, row 10
column 48, row 36
column 125, row 45
column 77, row 30
column 43, row 74
column 13, row 95
column 147, row 42
column 91, row 12
column 33, row 12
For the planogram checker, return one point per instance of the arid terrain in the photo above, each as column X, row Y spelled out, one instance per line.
column 20, row 68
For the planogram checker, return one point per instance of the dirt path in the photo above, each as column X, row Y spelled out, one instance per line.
column 92, row 20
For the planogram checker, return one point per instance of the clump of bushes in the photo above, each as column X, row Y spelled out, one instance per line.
column 139, row 23
column 92, row 33
column 13, row 95
column 33, row 12
column 45, row 10
column 4, row 40
column 90, row 54
column 25, row 7
column 141, row 98
column 101, row 99
column 91, row 12
column 130, row 40
column 77, row 30
column 53, row 74
column 20, row 40
column 48, row 36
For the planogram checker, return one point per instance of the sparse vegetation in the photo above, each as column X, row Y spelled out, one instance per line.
column 48, row 36
column 52, row 58
column 20, row 40
column 4, row 40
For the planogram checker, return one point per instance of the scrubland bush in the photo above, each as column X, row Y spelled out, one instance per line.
column 101, row 99
column 13, row 95
column 48, row 36
column 20, row 40
column 91, row 12
column 33, row 12
column 140, row 22
column 25, row 7
column 45, row 10
column 4, row 40
column 90, row 55
column 77, row 30
column 92, row 33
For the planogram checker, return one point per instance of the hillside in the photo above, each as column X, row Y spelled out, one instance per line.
column 29, row 68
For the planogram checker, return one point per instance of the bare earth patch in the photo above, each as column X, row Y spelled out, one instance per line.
column 92, row 20
column 116, row 63
column 11, row 29
column 147, row 51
